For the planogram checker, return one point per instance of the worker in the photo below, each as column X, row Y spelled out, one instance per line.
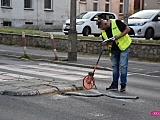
column 118, row 48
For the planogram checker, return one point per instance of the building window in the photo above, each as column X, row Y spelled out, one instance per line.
column 95, row 5
column 29, row 23
column 27, row 3
column 48, row 23
column 121, row 8
column 7, row 23
column 107, row 7
column 48, row 4
column 121, row 1
column 6, row 3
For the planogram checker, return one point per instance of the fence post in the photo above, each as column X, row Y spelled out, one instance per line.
column 54, row 46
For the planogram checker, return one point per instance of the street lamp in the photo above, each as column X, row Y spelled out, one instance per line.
column 72, row 34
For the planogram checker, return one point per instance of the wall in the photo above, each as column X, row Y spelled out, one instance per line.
column 137, row 50
column 18, row 15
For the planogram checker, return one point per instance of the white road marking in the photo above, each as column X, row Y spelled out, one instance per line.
column 69, row 73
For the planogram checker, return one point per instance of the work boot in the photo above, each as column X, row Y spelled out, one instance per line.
column 123, row 88
column 112, row 88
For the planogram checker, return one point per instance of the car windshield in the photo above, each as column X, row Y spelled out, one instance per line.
column 143, row 15
column 85, row 15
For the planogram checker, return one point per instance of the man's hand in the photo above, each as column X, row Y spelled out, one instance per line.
column 109, row 43
column 116, row 37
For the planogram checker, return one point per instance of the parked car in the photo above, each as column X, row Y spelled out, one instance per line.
column 86, row 23
column 146, row 24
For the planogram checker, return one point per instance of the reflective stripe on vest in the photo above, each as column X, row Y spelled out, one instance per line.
column 123, row 42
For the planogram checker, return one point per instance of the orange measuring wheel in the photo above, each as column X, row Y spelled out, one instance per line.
column 88, row 82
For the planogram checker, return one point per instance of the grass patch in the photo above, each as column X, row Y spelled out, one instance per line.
column 25, row 56
column 20, row 30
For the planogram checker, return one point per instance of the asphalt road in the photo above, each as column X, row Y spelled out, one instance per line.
column 57, row 107
column 143, row 81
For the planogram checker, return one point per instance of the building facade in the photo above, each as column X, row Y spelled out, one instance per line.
column 51, row 14
column 42, row 14
column 116, row 6
column 146, row 4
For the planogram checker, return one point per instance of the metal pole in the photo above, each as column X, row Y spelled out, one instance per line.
column 72, row 35
column 126, row 4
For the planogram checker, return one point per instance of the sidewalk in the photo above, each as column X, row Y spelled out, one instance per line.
column 24, row 87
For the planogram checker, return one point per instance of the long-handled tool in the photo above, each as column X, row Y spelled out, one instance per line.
column 89, row 81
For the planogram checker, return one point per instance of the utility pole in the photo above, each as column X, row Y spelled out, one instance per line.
column 72, row 35
column 126, row 4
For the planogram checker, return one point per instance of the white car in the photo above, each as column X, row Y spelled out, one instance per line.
column 86, row 23
column 146, row 24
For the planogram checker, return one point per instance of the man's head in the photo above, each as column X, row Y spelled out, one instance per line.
column 103, row 24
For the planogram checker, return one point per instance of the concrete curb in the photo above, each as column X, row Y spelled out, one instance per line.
column 20, row 92
column 32, row 92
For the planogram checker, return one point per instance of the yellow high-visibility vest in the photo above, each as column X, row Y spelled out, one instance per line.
column 124, row 42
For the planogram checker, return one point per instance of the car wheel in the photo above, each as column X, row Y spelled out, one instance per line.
column 66, row 33
column 96, row 35
column 86, row 31
column 149, row 33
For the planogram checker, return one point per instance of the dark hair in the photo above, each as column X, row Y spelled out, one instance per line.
column 100, row 21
